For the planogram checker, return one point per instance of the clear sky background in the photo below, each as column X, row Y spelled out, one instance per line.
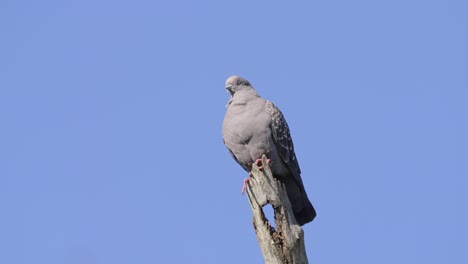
column 110, row 139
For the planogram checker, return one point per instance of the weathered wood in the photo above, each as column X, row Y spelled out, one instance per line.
column 286, row 243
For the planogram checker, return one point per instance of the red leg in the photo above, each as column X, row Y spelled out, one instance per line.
column 259, row 163
column 246, row 180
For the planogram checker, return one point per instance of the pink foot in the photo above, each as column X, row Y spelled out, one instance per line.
column 259, row 163
column 246, row 180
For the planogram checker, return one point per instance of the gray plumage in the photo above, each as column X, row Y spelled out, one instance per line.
column 254, row 126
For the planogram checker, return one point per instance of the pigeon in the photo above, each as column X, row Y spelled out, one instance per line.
column 253, row 127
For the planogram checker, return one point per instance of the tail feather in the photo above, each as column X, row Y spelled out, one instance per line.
column 303, row 210
column 307, row 214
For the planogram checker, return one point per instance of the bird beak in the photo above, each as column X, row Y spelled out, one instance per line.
column 230, row 90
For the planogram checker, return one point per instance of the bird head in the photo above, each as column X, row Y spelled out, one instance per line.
column 235, row 83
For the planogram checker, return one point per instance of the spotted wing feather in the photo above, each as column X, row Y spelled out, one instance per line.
column 283, row 140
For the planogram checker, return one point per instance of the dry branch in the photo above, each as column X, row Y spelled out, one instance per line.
column 286, row 243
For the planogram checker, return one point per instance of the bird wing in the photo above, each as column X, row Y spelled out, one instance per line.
column 283, row 141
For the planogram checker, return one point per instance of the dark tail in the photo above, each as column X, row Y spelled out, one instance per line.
column 307, row 214
column 303, row 210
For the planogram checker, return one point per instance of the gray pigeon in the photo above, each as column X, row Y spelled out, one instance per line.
column 254, row 126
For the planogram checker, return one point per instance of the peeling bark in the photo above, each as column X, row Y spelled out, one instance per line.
column 282, row 245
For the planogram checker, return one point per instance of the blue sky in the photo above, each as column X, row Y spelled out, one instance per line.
column 111, row 112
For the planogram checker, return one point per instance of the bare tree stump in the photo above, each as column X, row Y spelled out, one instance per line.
column 286, row 243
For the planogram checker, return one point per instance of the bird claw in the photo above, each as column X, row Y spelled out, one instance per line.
column 259, row 163
column 246, row 180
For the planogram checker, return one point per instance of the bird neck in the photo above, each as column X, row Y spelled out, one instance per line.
column 246, row 91
column 243, row 95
